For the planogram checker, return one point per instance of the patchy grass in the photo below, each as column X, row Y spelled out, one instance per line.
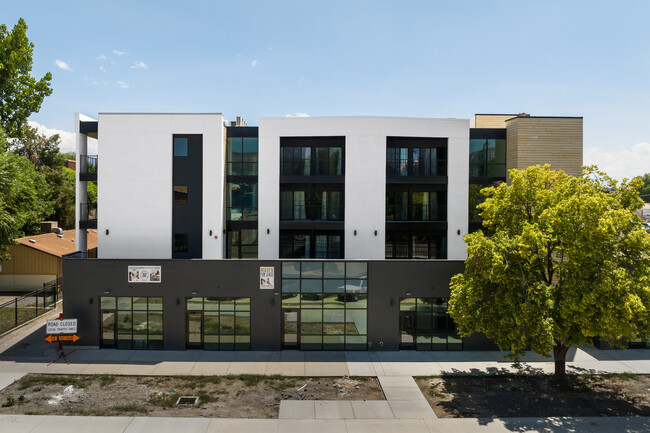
column 41, row 381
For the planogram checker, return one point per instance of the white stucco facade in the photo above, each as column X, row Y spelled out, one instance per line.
column 135, row 153
column 135, row 179
column 365, row 177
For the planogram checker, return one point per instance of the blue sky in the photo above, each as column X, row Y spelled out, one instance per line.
column 418, row 58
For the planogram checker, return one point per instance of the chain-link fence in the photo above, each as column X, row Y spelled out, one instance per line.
column 24, row 308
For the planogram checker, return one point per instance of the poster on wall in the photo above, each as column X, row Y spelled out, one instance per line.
column 145, row 274
column 266, row 277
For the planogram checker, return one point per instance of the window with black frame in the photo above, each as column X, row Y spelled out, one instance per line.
column 241, row 156
column 218, row 323
column 312, row 156
column 416, row 203
column 330, row 300
column 416, row 157
column 425, row 325
column 132, row 322
column 311, row 202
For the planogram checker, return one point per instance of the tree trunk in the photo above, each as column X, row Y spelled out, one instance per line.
column 559, row 356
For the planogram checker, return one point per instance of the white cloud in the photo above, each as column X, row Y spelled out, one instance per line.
column 119, row 53
column 254, row 63
column 63, row 65
column 297, row 115
column 122, row 84
column 139, row 65
column 625, row 161
column 102, row 57
column 90, row 80
column 103, row 69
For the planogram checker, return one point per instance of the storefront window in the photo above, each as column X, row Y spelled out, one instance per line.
column 329, row 300
column 425, row 325
column 217, row 323
column 131, row 322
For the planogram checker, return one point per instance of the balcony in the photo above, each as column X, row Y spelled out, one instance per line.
column 88, row 216
column 88, row 168
column 416, row 213
column 314, row 212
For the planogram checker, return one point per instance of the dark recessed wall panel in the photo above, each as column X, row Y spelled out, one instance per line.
column 188, row 218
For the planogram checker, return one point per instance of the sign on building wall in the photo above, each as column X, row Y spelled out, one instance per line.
column 266, row 277
column 145, row 274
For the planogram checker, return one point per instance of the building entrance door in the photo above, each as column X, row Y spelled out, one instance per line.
column 291, row 329
column 194, row 329
column 407, row 330
column 108, row 329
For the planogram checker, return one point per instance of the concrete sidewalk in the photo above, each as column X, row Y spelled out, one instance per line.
column 25, row 351
column 72, row 424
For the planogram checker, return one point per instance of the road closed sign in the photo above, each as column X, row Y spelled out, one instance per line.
column 65, row 326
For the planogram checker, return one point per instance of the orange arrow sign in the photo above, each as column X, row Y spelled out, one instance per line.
column 57, row 338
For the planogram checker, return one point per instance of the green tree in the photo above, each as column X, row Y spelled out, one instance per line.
column 20, row 93
column 24, row 197
column 644, row 191
column 562, row 260
column 44, row 153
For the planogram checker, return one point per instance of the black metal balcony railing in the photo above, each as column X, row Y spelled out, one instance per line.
column 416, row 213
column 241, row 168
column 89, row 164
column 245, row 213
column 88, row 211
column 407, row 167
column 311, row 213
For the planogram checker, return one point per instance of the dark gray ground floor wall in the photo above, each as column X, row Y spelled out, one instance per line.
column 86, row 280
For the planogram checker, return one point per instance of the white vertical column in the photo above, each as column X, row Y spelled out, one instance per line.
column 81, row 191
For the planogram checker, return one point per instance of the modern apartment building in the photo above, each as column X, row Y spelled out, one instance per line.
column 348, row 228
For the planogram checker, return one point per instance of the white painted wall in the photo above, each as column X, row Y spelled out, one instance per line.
column 365, row 176
column 134, row 180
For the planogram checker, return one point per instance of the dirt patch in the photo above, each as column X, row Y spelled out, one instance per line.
column 537, row 396
column 244, row 396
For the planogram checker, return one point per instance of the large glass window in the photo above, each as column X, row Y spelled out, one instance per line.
column 132, row 322
column 409, row 203
column 311, row 244
column 487, row 157
column 241, row 201
column 218, row 323
column 241, row 244
column 241, row 156
column 416, row 156
column 414, row 245
column 425, row 325
column 331, row 299
column 310, row 203
column 312, row 156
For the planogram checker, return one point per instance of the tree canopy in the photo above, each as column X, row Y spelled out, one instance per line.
column 20, row 93
column 561, row 261
column 644, row 191
column 24, row 197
